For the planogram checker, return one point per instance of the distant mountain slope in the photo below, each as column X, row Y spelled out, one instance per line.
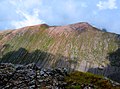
column 77, row 46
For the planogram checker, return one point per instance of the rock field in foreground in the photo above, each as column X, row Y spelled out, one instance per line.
column 32, row 77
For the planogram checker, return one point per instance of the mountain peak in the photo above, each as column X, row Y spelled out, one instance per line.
column 82, row 23
column 81, row 26
column 76, row 28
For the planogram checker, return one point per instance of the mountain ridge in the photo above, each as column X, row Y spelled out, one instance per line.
column 77, row 46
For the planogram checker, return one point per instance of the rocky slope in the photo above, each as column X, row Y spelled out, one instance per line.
column 77, row 46
column 32, row 77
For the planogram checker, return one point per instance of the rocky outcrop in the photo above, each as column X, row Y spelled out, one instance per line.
column 31, row 77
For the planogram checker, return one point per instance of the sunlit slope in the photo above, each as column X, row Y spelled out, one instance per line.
column 77, row 46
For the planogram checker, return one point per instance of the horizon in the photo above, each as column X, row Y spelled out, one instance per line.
column 100, row 14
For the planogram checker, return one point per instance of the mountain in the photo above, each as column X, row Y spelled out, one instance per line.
column 78, row 46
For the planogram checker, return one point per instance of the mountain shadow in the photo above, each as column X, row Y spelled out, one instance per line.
column 112, row 70
column 40, row 58
column 114, row 59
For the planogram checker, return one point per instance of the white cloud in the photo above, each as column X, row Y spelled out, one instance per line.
column 28, row 19
column 110, row 4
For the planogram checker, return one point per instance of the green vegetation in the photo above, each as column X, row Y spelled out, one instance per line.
column 80, row 78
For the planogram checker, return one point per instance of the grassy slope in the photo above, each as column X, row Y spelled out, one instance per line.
column 87, row 78
column 91, row 45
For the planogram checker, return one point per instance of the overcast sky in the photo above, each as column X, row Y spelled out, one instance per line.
column 99, row 13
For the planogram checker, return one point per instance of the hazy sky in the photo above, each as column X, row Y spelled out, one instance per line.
column 20, row 13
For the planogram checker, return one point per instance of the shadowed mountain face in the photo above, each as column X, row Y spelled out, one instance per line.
column 77, row 46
